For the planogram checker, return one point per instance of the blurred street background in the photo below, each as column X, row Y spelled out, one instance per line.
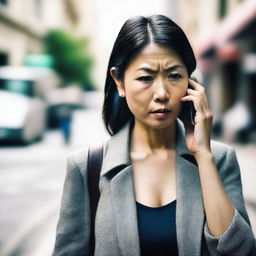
column 53, row 60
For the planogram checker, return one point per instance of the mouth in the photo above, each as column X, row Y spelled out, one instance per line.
column 161, row 113
column 161, row 110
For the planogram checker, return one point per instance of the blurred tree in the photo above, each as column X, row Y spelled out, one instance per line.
column 71, row 59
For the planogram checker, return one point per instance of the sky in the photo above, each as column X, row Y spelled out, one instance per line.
column 111, row 15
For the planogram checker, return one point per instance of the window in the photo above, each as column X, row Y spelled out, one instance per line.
column 4, row 2
column 24, row 87
column 222, row 8
column 3, row 59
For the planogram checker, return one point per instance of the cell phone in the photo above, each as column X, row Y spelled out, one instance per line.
column 188, row 112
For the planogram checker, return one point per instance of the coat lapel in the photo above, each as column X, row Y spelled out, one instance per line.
column 125, row 213
column 117, row 169
column 116, row 151
column 189, row 212
column 190, row 209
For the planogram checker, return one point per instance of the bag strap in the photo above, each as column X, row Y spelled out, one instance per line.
column 95, row 156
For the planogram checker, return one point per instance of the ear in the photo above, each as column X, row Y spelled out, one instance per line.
column 119, row 83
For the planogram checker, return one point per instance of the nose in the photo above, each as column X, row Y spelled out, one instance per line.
column 161, row 93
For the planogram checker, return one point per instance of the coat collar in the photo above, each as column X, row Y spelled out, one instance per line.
column 189, row 208
column 116, row 153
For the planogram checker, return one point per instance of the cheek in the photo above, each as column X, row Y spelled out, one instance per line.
column 176, row 99
column 137, row 97
column 137, row 101
column 179, row 93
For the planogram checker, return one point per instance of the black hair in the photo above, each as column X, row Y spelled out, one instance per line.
column 135, row 34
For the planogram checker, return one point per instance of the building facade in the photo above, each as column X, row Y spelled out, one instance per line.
column 223, row 34
column 24, row 23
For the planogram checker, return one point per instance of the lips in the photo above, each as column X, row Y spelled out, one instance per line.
column 161, row 113
column 161, row 110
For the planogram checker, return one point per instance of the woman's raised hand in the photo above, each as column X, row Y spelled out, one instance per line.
column 198, row 139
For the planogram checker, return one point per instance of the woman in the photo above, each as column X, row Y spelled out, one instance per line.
column 166, row 188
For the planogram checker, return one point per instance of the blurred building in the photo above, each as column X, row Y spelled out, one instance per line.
column 223, row 34
column 24, row 23
column 104, row 20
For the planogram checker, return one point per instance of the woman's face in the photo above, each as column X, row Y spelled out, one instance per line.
column 153, row 84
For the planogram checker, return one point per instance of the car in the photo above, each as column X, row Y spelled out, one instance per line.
column 23, row 108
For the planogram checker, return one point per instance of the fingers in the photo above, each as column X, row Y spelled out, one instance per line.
column 188, row 98
column 199, row 98
column 195, row 85
column 193, row 92
column 196, row 101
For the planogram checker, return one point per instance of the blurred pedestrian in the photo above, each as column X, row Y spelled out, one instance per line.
column 165, row 187
column 65, row 121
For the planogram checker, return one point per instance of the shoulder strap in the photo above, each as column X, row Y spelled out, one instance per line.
column 95, row 156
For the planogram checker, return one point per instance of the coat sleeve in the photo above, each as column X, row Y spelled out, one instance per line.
column 73, row 228
column 238, row 239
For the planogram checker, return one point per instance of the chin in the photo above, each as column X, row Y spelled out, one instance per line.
column 160, row 124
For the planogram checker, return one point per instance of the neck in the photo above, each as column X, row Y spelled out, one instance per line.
column 152, row 140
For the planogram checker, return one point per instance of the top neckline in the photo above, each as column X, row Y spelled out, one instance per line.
column 156, row 208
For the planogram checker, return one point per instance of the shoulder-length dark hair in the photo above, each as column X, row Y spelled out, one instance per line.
column 135, row 34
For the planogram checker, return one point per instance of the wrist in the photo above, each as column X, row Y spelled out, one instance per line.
column 203, row 155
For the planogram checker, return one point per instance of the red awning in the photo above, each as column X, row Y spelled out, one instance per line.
column 234, row 23
column 229, row 27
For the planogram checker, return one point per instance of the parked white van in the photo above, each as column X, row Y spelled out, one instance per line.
column 22, row 102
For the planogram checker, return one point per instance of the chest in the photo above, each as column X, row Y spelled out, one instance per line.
column 154, row 180
column 117, row 215
column 157, row 229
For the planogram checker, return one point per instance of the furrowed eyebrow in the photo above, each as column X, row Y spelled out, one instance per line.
column 150, row 70
column 173, row 68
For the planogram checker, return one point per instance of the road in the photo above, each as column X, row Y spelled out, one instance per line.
column 31, row 181
column 32, row 177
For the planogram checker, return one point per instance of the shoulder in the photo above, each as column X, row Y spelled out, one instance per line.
column 220, row 149
column 77, row 161
column 79, row 157
column 225, row 156
column 222, row 152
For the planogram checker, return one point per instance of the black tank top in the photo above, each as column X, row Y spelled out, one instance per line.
column 157, row 229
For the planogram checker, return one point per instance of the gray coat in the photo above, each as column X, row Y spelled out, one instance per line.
column 116, row 227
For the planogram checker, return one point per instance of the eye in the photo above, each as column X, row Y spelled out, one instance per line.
column 174, row 76
column 145, row 78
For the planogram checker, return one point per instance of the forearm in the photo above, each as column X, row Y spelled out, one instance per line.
column 219, row 209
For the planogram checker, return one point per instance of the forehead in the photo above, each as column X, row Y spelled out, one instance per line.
column 156, row 56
